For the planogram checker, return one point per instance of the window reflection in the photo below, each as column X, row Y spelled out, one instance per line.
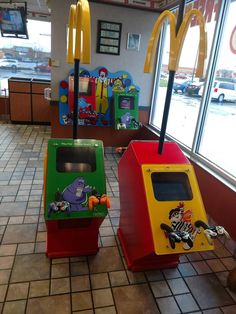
column 218, row 144
column 26, row 58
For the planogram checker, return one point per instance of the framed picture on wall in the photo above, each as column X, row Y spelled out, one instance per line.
column 133, row 41
column 109, row 36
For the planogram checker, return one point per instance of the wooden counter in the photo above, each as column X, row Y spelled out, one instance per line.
column 27, row 103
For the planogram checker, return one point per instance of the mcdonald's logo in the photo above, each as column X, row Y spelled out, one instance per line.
column 176, row 41
column 79, row 38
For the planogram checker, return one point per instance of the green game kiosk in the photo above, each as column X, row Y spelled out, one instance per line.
column 75, row 196
column 126, row 110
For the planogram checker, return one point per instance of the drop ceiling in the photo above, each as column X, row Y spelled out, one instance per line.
column 42, row 6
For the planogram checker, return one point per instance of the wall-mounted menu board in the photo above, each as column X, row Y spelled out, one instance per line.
column 109, row 36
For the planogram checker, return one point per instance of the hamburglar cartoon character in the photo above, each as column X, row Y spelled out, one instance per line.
column 181, row 225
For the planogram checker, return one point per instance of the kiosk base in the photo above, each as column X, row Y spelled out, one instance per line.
column 72, row 237
column 151, row 261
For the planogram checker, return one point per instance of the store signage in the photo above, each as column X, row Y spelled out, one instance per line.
column 176, row 41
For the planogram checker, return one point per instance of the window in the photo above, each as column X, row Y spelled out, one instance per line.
column 202, row 115
column 218, row 142
column 26, row 58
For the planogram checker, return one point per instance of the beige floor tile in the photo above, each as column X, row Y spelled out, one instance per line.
column 80, row 283
column 160, row 289
column 79, row 268
column 118, row 278
column 17, row 291
column 106, row 231
column 39, row 288
column 4, row 276
column 25, row 248
column 41, row 236
column 229, row 262
column 135, row 299
column 84, row 312
column 16, row 220
column 40, row 247
column 201, row 267
column 6, row 262
column 7, row 249
column 3, row 290
column 136, row 277
column 60, row 285
column 81, row 301
column 31, row 219
column 102, row 297
column 106, row 310
column 3, row 220
column 216, row 265
column 108, row 241
column 30, row 267
column 49, row 305
column 60, row 270
column 107, row 259
column 99, row 281
column 14, row 307
column 168, row 305
column 154, row 275
column 19, row 233
column 60, row 260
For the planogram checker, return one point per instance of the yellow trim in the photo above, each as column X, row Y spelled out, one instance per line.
column 45, row 165
column 159, row 210
column 176, row 42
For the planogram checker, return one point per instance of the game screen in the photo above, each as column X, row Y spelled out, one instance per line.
column 126, row 102
column 85, row 86
column 171, row 186
column 76, row 159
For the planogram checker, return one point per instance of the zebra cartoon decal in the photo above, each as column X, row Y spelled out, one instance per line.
column 181, row 228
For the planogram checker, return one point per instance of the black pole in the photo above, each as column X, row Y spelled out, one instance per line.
column 76, row 94
column 170, row 86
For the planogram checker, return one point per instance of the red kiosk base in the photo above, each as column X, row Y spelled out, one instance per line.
column 72, row 237
column 151, row 261
column 137, row 224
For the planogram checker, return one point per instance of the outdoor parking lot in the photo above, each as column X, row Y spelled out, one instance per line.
column 220, row 123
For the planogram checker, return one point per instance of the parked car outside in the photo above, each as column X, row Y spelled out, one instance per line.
column 222, row 91
column 181, row 85
column 43, row 67
column 9, row 64
column 193, row 88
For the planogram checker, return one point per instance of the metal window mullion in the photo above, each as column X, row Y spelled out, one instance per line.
column 211, row 68
column 157, row 74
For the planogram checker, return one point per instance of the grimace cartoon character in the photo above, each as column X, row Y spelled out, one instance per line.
column 76, row 195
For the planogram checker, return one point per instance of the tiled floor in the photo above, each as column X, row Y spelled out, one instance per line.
column 32, row 283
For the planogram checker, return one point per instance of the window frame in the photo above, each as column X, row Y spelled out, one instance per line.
column 193, row 152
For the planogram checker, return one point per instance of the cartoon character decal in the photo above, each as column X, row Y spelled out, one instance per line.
column 76, row 194
column 102, row 84
column 181, row 228
column 127, row 121
column 75, row 198
column 94, row 109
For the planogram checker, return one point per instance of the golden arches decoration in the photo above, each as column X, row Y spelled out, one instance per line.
column 176, row 42
column 79, row 20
